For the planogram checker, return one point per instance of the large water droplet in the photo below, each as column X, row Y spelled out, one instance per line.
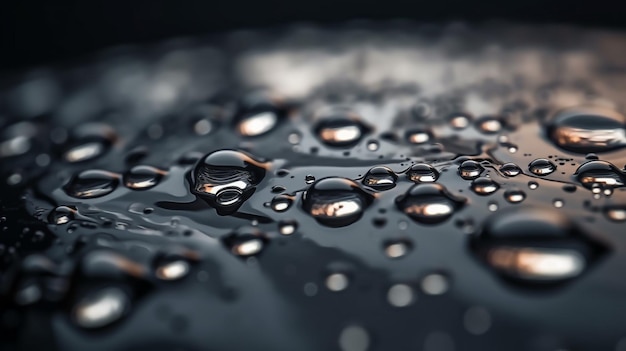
column 101, row 308
column 143, row 177
column 470, row 169
column 588, row 129
column 335, row 202
column 422, row 173
column 91, row 184
column 429, row 203
column 541, row 167
column 226, row 178
column 380, row 178
column 600, row 174
column 341, row 131
column 484, row 186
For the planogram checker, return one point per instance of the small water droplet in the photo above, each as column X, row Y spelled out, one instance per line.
column 203, row 126
column 172, row 270
column 429, row 203
column 459, row 121
column 85, row 152
column 422, row 173
column 514, row 195
column 397, row 248
column 92, row 183
column 484, row 186
column 380, row 178
column 533, row 185
column 354, row 338
column 101, row 308
column 61, row 215
column 558, row 203
column 510, row 169
column 309, row 179
column 245, row 242
column 418, row 136
column 143, row 177
column 281, row 203
column 615, row 213
column 400, row 295
column 341, row 131
column 287, row 227
column 541, row 167
column 337, row 282
column 470, row 169
column 335, row 202
column 492, row 206
column 435, row 284
column 489, row 125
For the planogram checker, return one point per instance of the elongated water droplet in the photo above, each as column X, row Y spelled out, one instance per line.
column 600, row 174
column 422, row 173
column 429, row 203
column 143, row 177
column 101, row 308
column 172, row 269
column 337, row 282
column 335, row 202
column 418, row 136
column 588, row 129
column 615, row 213
column 85, row 152
column 62, row 215
column 341, row 131
column 380, row 178
column 92, row 183
column 470, row 169
column 541, row 167
column 484, row 186
column 510, row 169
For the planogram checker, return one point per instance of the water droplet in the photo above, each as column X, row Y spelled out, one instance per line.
column 599, row 175
column 245, row 242
column 257, row 124
column 514, row 195
column 492, row 206
column 341, row 131
column 533, row 185
column 429, row 203
column 92, row 183
column 309, row 179
column 435, row 284
column 335, row 202
column 489, row 125
column 380, row 178
column 400, row 295
column 281, row 203
column 85, row 152
column 484, row 186
column 373, row 145
column 337, row 282
column 422, row 173
column 397, row 248
column 558, row 203
column 459, row 121
column 510, row 169
column 61, row 215
column 354, row 338
column 615, row 213
column 101, row 308
column 541, row 167
column 588, row 129
column 226, row 178
column 287, row 227
column 172, row 269
column 418, row 136
column 143, row 177
column 202, row 126
column 470, row 169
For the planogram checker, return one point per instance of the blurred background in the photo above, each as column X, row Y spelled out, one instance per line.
column 40, row 31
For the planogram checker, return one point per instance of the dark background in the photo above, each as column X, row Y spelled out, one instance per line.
column 44, row 31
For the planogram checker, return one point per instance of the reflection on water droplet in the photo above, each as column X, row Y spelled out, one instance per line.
column 470, row 169
column 489, row 125
column 61, row 215
column 380, row 178
column 281, row 203
column 541, row 167
column 373, row 145
column 615, row 213
column 341, row 131
column 422, row 173
column 514, row 195
column 558, row 203
column 101, row 308
column 172, row 270
column 335, row 202
column 309, row 179
column 400, row 295
column 600, row 174
column 588, row 129
column 337, row 282
column 429, row 203
column 354, row 338
column 245, row 242
column 143, row 177
column 287, row 227
column 435, row 284
column 533, row 185
column 492, row 206
column 418, row 136
column 397, row 248
column 257, row 124
column 537, row 263
column 510, row 169
column 92, row 183
column 85, row 152
column 226, row 178
column 459, row 121
column 484, row 186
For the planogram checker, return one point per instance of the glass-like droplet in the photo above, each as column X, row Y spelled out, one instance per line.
column 373, row 145
column 258, row 114
column 337, row 282
column 510, row 169
column 535, row 245
column 91, row 184
column 90, row 140
column 541, row 167
column 172, row 269
column 62, row 215
column 101, row 308
column 492, row 206
column 143, row 177
column 514, row 195
column 422, row 173
column 257, row 124
column 489, row 125
column 601, row 174
column 281, row 203
column 588, row 129
column 418, row 136
column 335, row 202
column 245, row 242
column 400, row 295
column 615, row 213
column 341, row 131
column 397, row 248
column 309, row 179
column 459, row 121
column 287, row 227
column 533, row 185
column 85, row 152
column 226, row 178
column 380, row 178
column 558, row 203
column 429, row 203
column 470, row 169
column 484, row 186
